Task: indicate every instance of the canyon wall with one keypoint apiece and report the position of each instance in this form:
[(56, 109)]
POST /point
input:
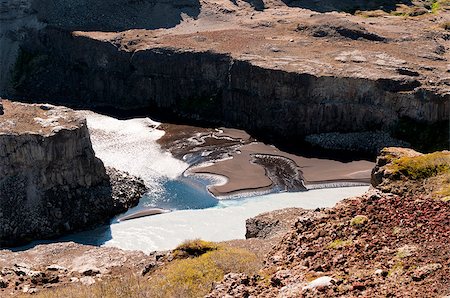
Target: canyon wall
[(214, 87), (50, 180), (20, 18)]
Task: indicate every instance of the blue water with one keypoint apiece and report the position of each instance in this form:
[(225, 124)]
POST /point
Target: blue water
[(184, 193)]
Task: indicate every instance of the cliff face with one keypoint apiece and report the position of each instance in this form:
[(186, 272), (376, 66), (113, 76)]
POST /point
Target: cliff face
[(203, 85), (19, 18), (50, 180)]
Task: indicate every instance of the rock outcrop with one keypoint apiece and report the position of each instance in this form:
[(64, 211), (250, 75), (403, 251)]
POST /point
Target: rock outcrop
[(50, 180), (379, 244)]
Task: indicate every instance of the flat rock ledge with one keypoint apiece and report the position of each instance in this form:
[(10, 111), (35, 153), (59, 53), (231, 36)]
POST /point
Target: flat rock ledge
[(51, 183)]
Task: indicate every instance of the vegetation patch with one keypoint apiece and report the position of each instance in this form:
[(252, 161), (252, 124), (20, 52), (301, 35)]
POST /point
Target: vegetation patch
[(423, 166), (446, 25), (192, 277), (195, 277), (339, 244), (194, 248), (443, 191), (359, 221)]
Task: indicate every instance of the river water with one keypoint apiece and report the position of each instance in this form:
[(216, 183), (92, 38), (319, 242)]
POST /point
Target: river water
[(131, 145)]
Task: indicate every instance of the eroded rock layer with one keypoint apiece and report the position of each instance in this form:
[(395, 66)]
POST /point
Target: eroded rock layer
[(50, 180)]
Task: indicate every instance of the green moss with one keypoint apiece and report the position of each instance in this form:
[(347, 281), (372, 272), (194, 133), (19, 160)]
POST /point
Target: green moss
[(435, 6), (339, 243), (421, 167), (397, 268), (443, 192), (359, 221)]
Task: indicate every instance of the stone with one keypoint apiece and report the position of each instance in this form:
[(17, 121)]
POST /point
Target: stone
[(87, 280), (89, 271), (424, 271), (324, 281), (21, 269), (42, 169), (3, 283), (56, 267)]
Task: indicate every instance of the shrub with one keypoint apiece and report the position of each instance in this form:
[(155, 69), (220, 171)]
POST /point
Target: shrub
[(194, 248), (192, 277)]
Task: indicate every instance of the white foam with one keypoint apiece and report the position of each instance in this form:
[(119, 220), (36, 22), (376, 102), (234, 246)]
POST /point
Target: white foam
[(224, 222), (130, 145)]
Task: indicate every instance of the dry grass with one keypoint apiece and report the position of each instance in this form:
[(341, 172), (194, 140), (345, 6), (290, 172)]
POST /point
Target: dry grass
[(191, 277), (339, 244), (128, 285), (446, 25), (194, 248), (196, 277)]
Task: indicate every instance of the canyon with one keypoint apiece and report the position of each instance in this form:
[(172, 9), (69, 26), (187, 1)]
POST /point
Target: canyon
[(275, 72), (255, 105)]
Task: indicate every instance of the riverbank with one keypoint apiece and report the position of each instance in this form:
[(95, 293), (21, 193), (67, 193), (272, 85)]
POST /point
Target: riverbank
[(255, 167)]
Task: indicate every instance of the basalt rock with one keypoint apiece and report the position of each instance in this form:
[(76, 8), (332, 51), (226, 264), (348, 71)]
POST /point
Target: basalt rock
[(51, 183), (215, 87)]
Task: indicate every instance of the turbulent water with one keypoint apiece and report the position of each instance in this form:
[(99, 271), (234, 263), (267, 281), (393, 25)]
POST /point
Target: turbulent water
[(130, 145)]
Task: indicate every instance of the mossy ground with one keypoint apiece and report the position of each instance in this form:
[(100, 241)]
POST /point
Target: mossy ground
[(422, 167)]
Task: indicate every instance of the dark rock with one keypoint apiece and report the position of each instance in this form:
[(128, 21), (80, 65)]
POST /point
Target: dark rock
[(149, 267), (43, 171), (339, 28), (3, 283), (358, 286)]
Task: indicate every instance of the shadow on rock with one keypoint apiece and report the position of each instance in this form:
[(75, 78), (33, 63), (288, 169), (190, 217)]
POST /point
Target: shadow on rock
[(115, 15), (346, 6)]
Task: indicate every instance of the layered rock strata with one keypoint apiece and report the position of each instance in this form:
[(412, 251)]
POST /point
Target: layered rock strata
[(51, 183), (218, 88)]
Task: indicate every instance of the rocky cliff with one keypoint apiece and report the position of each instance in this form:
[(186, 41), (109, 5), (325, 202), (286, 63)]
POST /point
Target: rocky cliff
[(392, 241), (50, 180), (271, 69), (218, 88), (19, 18)]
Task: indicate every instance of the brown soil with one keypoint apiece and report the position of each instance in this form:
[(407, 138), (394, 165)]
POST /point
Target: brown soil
[(38, 119)]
